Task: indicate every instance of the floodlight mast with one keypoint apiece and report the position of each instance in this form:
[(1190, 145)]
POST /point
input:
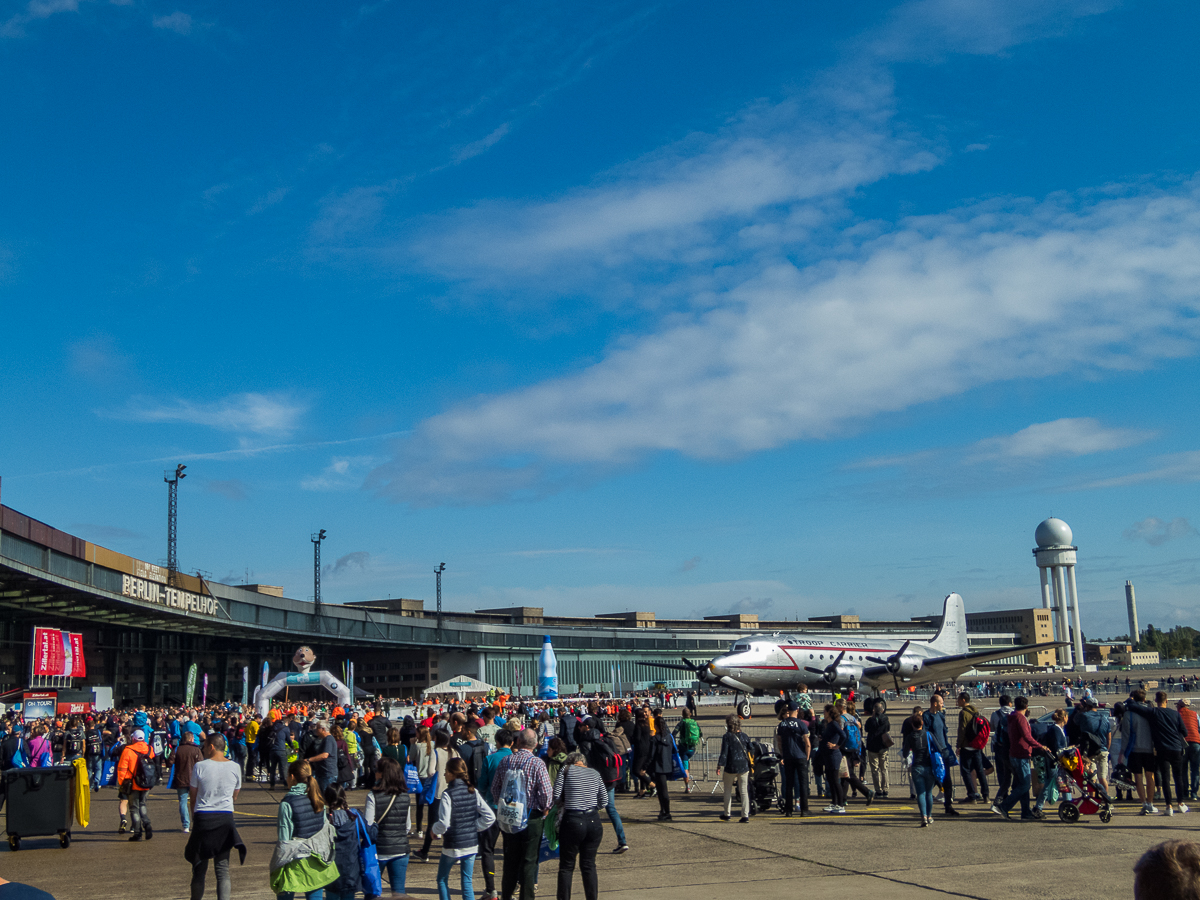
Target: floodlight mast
[(438, 572), (316, 542), (172, 521)]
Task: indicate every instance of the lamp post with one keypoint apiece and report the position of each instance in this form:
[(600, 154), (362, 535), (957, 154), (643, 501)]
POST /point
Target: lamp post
[(438, 572), (316, 542), (172, 520)]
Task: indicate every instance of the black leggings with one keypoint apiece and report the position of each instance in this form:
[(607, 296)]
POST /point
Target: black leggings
[(853, 780), (833, 762), (221, 866), (664, 799)]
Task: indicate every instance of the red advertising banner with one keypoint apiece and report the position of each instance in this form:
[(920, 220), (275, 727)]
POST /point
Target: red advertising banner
[(73, 707), (58, 653)]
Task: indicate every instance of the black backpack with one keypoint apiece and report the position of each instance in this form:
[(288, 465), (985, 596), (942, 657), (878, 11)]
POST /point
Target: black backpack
[(145, 772), (567, 731), (475, 753)]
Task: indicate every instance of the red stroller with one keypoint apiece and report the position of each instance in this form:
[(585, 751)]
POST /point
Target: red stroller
[(1084, 795)]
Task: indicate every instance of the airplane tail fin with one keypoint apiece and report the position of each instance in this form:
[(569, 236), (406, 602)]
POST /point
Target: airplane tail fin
[(951, 638)]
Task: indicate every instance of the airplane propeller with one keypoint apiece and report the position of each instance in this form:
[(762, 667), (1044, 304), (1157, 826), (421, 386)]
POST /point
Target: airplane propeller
[(830, 671), (696, 670), (893, 663)]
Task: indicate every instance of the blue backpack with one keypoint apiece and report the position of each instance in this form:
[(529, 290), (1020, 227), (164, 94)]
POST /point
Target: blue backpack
[(853, 735)]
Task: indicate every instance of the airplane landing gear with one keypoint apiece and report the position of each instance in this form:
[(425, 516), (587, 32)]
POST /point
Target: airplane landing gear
[(741, 705)]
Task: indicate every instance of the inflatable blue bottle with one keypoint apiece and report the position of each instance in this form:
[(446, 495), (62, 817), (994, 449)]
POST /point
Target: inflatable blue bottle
[(548, 672)]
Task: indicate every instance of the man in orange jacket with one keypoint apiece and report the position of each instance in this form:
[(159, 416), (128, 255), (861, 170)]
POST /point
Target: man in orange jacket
[(129, 789)]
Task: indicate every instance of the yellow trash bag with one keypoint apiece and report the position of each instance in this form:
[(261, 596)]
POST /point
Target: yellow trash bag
[(81, 796)]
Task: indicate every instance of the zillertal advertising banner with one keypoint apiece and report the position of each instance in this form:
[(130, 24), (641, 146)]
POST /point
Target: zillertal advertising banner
[(193, 669), (245, 685), (58, 653)]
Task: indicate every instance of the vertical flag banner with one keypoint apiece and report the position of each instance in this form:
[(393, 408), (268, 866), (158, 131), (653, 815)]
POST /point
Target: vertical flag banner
[(204, 691), (266, 673), (190, 692), (350, 681), (245, 685), (58, 653)]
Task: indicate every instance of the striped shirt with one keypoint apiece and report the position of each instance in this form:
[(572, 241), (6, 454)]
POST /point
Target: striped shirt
[(580, 788)]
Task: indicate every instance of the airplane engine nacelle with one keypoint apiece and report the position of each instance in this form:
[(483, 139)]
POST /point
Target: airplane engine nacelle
[(843, 676), (909, 665)]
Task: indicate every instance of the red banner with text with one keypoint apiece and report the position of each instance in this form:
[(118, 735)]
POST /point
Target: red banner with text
[(58, 653)]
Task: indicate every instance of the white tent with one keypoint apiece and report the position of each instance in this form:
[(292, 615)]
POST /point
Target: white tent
[(460, 685)]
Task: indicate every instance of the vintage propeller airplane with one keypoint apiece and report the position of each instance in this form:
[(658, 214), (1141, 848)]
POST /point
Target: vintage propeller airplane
[(769, 663)]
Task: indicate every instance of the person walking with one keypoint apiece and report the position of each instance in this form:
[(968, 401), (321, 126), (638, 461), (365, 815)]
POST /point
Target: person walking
[(602, 754), (1170, 744), (426, 763), (852, 751), (487, 839), (461, 815), (970, 759), (661, 764), (734, 760), (581, 792), (323, 755), (347, 824), (794, 747), (833, 739), (687, 736), (919, 756), (442, 754), (277, 762), (1055, 740), (303, 861), (999, 726), (521, 847), (1021, 747), (133, 787), (186, 758), (935, 724), (640, 741), (387, 807), (878, 742), (213, 785)]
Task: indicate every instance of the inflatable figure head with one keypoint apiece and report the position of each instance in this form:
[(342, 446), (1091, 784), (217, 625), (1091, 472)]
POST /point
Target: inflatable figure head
[(303, 659)]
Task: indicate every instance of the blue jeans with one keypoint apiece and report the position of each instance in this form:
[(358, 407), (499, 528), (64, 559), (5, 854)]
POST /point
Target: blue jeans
[(467, 868), (397, 870), (95, 767), (1049, 773), (613, 815), (923, 782), (185, 815), (1022, 776), (318, 894)]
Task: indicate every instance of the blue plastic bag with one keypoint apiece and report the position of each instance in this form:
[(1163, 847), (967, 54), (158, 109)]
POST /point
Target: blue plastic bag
[(939, 764), (411, 779), (372, 878), (545, 854), (677, 768)]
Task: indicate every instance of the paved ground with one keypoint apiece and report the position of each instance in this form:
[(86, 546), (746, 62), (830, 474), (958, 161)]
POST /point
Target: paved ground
[(876, 852)]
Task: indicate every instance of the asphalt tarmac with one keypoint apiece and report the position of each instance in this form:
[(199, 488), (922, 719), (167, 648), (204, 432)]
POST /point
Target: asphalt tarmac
[(875, 852)]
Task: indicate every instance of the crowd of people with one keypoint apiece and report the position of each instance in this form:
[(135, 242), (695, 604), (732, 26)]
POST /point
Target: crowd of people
[(511, 783)]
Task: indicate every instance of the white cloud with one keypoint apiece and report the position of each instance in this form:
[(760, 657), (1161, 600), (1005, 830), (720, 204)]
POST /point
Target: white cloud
[(1157, 532), (1180, 468), (244, 413), (14, 26), (179, 22), (937, 307), (344, 473), (1060, 438)]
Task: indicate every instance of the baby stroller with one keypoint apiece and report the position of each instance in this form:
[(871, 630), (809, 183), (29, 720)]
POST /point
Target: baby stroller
[(1081, 788), (763, 773)]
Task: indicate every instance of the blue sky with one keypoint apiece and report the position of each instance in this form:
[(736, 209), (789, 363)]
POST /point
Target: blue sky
[(787, 309)]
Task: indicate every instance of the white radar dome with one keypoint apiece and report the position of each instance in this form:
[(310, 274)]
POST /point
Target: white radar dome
[(1053, 533)]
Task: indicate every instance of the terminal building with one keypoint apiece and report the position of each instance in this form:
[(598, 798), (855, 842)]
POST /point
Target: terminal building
[(143, 628)]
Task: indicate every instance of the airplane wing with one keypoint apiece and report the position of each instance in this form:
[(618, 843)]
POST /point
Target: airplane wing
[(947, 668)]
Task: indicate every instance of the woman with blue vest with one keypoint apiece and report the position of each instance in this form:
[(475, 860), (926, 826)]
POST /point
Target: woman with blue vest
[(462, 814)]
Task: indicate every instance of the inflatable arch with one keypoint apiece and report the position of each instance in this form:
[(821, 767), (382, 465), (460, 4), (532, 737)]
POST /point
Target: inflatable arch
[(263, 694)]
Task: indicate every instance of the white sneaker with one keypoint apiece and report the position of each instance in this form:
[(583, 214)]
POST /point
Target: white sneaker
[(1169, 811), (839, 810), (830, 808), (1182, 808), (1151, 809)]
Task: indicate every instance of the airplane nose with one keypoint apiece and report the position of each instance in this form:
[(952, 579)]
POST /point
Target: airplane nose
[(718, 671)]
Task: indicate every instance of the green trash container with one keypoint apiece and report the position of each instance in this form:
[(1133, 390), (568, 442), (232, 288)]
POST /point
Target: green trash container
[(39, 803)]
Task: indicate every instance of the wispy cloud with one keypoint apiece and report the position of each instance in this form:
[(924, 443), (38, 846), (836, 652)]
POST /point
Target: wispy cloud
[(97, 357), (343, 473), (563, 551), (483, 144), (106, 532), (14, 26), (178, 22), (1157, 532), (250, 413), (1179, 468), (688, 564), (938, 306), (358, 559), (268, 200), (1060, 438)]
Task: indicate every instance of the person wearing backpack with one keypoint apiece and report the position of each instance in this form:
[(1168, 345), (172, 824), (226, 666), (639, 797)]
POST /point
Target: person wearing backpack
[(94, 753), (136, 775), (345, 848), (970, 726), (999, 725), (473, 751), (878, 740), (687, 738), (603, 755), (852, 751), (487, 839), (387, 808), (921, 757), (935, 725), (522, 773)]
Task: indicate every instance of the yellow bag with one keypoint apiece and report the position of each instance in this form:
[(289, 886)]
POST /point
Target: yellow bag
[(81, 796)]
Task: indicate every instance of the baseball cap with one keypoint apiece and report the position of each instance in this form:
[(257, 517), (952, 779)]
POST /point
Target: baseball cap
[(792, 706), (139, 735)]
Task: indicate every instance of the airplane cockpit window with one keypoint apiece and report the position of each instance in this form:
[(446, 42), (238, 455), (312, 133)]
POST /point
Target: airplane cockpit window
[(740, 647)]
